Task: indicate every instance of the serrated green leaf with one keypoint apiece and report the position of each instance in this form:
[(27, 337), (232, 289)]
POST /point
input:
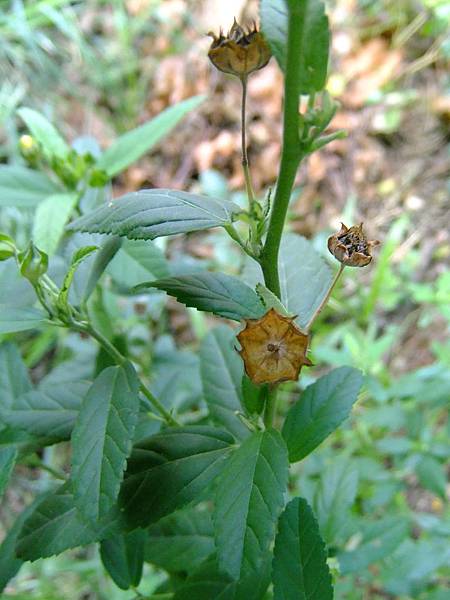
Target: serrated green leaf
[(130, 146), (300, 570), (378, 540), (312, 22), (221, 372), (148, 214), (208, 582), (123, 557), (304, 283), (20, 319), (171, 469), (48, 411), (8, 457), (138, 261), (321, 408), (14, 378), (180, 542), (221, 294), (432, 475), (55, 525), (44, 132), (50, 220), (102, 440), (249, 499), (24, 187)]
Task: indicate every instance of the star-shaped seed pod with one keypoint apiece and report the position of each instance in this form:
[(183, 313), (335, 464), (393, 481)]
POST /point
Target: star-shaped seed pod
[(350, 246), (273, 348), (240, 52)]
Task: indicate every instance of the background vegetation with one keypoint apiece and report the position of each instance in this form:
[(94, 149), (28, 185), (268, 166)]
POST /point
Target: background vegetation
[(98, 69)]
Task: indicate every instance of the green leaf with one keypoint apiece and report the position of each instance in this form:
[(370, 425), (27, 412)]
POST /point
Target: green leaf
[(149, 214), (334, 496), (123, 558), (171, 469), (138, 261), (48, 411), (249, 499), (270, 300), (208, 582), (300, 570), (378, 540), (55, 525), (24, 188), (14, 378), (304, 284), (8, 457), (432, 476), (315, 38), (320, 410), (104, 256), (221, 371), (44, 132), (50, 220), (20, 319), (102, 440), (132, 145), (180, 542), (221, 294), (78, 257)]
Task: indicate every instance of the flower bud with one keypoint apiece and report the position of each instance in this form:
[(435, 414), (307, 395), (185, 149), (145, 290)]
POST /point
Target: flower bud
[(350, 246), (29, 148), (33, 263), (240, 52), (273, 348)]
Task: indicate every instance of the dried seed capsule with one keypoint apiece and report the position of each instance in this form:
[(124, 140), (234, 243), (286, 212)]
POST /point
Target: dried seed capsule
[(350, 246), (240, 52), (273, 348)]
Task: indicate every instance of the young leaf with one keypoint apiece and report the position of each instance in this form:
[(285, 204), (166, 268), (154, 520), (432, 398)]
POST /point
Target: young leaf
[(48, 411), (169, 470), (312, 23), (102, 439), (148, 214), (221, 294), (45, 133), (104, 256), (24, 188), (300, 570), (132, 145), (303, 283), (20, 319), (138, 261), (14, 378), (221, 371), (270, 300), (8, 457), (180, 542), (78, 257), (123, 557), (249, 499), (56, 525), (321, 408), (50, 220)]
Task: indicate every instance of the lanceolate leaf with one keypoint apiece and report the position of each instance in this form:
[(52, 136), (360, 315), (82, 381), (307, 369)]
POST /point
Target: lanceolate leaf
[(300, 570), (180, 542), (102, 439), (321, 408), (304, 277), (138, 261), (24, 187), (315, 38), (221, 294), (221, 371), (51, 217), (249, 499), (171, 469), (8, 457), (44, 132), (56, 525), (149, 214), (20, 319), (123, 557), (133, 144)]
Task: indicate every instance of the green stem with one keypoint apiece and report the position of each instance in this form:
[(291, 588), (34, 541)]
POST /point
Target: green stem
[(121, 360), (245, 165), (34, 461), (291, 154), (326, 298), (271, 407)]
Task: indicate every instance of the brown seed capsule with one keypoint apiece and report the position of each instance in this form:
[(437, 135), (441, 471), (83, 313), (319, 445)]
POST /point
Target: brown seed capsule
[(273, 348), (350, 246), (240, 52)]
